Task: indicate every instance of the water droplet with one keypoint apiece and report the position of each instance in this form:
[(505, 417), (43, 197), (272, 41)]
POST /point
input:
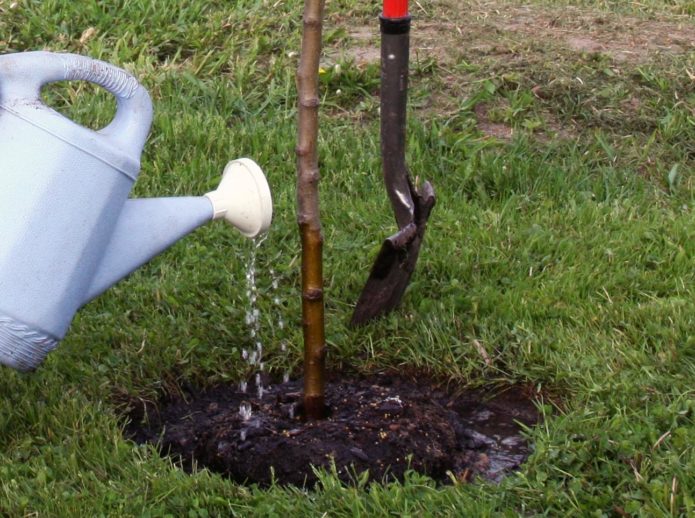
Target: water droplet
[(286, 377), (245, 411)]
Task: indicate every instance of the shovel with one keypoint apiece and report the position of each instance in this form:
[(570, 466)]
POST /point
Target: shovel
[(412, 205)]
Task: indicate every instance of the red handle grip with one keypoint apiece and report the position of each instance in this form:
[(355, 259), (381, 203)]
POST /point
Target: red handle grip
[(395, 8)]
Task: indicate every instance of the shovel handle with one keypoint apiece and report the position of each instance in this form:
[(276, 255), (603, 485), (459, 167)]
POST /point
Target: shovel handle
[(394, 9), (395, 49)]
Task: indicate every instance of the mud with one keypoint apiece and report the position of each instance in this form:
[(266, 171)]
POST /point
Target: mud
[(384, 425)]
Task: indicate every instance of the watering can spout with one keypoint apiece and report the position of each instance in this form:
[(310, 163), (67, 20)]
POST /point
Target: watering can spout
[(147, 227), (67, 228)]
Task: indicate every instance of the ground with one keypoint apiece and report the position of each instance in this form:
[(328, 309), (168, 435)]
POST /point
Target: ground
[(377, 428), (507, 36)]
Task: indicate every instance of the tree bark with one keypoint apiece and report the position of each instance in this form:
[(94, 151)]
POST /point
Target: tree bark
[(308, 216)]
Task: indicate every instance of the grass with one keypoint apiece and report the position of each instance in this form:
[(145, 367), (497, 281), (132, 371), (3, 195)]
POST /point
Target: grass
[(566, 251)]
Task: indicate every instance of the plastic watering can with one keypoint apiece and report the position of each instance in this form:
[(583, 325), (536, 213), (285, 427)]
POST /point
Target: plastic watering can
[(67, 228)]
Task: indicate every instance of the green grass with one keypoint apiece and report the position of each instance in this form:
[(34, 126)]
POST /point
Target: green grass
[(643, 7), (567, 252)]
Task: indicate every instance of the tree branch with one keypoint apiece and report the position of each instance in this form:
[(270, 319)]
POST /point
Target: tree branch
[(308, 216)]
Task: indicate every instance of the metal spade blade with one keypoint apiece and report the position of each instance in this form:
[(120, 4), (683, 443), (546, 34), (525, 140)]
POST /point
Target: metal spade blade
[(412, 205)]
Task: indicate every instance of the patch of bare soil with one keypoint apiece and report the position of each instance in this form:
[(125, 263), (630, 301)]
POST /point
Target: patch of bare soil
[(364, 45), (623, 38), (489, 128), (503, 34), (491, 27), (382, 424)]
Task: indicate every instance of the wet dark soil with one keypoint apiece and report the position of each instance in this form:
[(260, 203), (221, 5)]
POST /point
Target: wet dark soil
[(383, 424)]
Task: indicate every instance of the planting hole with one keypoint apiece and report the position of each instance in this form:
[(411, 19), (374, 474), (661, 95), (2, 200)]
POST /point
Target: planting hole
[(383, 424)]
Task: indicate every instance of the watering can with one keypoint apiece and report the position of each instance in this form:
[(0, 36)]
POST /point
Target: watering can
[(67, 228)]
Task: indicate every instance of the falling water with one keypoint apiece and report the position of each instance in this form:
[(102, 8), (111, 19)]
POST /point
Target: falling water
[(245, 411), (253, 320), (275, 283), (253, 356)]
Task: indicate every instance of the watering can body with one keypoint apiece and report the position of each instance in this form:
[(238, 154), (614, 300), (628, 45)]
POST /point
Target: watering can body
[(67, 228)]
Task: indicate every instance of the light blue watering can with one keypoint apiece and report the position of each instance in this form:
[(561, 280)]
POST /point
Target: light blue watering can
[(67, 229)]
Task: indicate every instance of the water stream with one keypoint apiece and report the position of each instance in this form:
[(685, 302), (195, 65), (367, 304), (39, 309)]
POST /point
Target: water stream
[(277, 305), (254, 356)]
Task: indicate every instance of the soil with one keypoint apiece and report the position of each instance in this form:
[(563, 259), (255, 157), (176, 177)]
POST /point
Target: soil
[(383, 424), (503, 36), (453, 28), (489, 128)]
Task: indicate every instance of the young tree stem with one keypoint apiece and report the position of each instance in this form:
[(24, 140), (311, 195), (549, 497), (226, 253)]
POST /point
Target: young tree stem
[(308, 216)]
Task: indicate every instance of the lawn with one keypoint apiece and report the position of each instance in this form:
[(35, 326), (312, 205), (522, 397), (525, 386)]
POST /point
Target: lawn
[(560, 137)]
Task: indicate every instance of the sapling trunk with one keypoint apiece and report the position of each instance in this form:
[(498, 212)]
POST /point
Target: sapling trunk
[(308, 216)]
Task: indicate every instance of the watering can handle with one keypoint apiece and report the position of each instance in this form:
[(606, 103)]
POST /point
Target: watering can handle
[(23, 74)]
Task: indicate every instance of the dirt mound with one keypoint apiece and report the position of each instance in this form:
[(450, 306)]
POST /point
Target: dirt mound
[(385, 425)]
